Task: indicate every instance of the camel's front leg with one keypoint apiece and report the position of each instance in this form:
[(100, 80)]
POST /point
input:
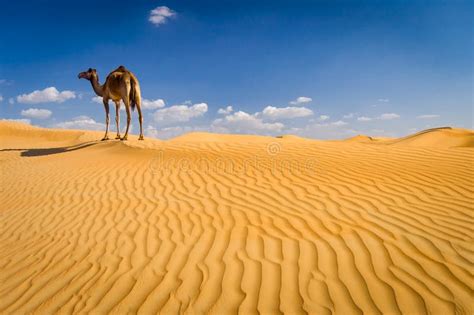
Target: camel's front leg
[(129, 114), (117, 118), (107, 119)]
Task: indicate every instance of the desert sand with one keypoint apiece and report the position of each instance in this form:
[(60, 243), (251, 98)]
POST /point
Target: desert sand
[(226, 224)]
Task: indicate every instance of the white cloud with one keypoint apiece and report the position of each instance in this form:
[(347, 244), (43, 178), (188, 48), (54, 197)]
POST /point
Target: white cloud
[(167, 132), (324, 117), (1, 98), (428, 116), (389, 116), (153, 104), (225, 111), (160, 15), (338, 123), (151, 131), (243, 122), (50, 94), (327, 130), (386, 116), (348, 116), (275, 113), (11, 101), (172, 131), (364, 118), (301, 100), (81, 122), (383, 100), (21, 120), (180, 113), (36, 113), (97, 99)]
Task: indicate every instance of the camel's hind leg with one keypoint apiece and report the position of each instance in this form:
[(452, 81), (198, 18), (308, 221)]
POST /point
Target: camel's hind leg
[(140, 119), (117, 118), (129, 114), (125, 91)]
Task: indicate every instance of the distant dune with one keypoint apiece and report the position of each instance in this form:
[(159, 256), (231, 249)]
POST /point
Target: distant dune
[(363, 138), (442, 137), (224, 224), (439, 137)]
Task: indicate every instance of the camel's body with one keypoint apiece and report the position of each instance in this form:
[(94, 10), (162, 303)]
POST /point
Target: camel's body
[(120, 84)]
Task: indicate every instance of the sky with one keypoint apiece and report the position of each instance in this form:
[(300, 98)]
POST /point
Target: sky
[(317, 69)]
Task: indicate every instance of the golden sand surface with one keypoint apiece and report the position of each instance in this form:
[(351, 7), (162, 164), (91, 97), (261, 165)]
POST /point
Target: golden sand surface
[(226, 224)]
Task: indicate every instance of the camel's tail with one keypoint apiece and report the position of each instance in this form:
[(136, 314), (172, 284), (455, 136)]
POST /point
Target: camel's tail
[(133, 94)]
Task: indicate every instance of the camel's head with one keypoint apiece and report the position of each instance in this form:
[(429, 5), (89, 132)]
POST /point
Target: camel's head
[(88, 75)]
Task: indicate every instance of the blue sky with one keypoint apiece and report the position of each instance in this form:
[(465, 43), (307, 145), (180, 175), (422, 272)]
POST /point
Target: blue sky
[(320, 69)]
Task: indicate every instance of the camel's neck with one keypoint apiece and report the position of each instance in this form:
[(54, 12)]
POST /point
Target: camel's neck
[(98, 89)]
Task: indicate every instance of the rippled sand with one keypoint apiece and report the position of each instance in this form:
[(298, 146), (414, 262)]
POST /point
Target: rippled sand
[(220, 224)]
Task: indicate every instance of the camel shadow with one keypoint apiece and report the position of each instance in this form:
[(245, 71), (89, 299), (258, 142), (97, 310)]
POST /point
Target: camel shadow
[(50, 151)]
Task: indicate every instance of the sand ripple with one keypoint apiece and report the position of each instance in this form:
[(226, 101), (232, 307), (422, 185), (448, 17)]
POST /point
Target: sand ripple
[(223, 226)]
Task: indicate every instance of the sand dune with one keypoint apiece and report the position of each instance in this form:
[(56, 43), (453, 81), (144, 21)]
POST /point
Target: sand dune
[(222, 224), (440, 137), (365, 139)]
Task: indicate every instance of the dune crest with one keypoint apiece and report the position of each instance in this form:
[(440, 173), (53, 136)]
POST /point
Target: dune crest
[(224, 224)]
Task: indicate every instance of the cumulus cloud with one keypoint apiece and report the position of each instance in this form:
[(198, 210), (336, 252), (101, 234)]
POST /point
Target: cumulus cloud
[(160, 15), (180, 113), (275, 113), (81, 122), (36, 113), (348, 116), (170, 132), (1, 98), (323, 117), (21, 120), (11, 101), (243, 122), (338, 123), (386, 116), (151, 131), (428, 116), (153, 104), (364, 118), (327, 130), (389, 116), (97, 99), (225, 111), (301, 100), (50, 94)]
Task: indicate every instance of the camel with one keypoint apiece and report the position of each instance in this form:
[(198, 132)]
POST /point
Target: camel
[(120, 84)]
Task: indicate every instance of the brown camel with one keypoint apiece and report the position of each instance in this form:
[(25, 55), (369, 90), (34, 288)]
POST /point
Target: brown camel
[(120, 84)]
